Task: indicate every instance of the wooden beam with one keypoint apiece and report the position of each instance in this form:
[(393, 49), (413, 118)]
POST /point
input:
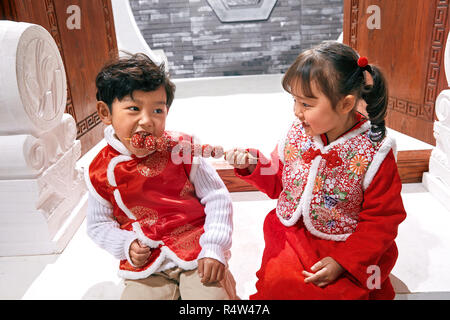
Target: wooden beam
[(411, 166)]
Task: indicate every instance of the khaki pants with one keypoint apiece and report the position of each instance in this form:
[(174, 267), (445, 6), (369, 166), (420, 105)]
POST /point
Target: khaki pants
[(176, 283)]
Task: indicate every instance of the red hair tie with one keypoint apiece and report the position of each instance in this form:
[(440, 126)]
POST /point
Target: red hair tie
[(363, 62)]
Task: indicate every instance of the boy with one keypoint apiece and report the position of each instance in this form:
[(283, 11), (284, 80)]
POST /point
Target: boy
[(169, 223)]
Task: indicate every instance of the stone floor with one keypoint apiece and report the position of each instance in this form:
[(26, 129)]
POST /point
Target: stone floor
[(84, 271)]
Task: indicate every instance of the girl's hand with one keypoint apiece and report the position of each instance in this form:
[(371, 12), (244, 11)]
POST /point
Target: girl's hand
[(325, 271), (241, 159), (139, 253)]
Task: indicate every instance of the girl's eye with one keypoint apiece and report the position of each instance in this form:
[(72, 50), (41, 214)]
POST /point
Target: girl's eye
[(306, 105)]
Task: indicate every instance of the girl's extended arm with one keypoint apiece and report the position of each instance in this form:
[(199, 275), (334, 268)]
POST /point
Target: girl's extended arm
[(266, 176)]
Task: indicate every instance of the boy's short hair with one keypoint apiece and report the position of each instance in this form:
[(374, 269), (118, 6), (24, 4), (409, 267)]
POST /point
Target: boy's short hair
[(122, 76)]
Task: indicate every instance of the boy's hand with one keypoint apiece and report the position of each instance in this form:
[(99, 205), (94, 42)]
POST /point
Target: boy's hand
[(241, 159), (139, 253), (326, 271), (210, 270)]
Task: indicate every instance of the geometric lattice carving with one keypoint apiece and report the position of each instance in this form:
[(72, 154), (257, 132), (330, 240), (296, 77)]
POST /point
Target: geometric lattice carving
[(242, 10)]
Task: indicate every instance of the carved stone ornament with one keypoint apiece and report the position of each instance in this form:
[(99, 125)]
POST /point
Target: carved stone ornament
[(33, 89), (437, 180), (42, 191), (242, 10)]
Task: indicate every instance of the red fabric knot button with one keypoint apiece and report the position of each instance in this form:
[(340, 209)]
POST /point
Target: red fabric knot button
[(310, 154), (363, 62), (332, 158)]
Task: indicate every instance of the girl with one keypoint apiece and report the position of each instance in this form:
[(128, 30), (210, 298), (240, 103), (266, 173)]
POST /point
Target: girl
[(332, 233)]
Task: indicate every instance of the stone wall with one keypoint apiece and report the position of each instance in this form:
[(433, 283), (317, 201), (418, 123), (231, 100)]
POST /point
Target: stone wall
[(198, 44)]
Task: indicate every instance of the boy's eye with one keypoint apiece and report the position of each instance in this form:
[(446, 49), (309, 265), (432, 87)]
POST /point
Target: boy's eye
[(133, 108), (158, 110)]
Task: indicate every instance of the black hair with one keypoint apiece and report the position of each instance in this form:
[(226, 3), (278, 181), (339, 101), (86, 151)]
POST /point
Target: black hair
[(334, 68), (122, 76)]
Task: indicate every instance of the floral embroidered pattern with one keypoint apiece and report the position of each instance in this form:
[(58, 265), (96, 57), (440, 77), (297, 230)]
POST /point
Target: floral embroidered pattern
[(358, 164), (290, 152), (154, 164), (318, 183), (145, 216), (187, 189), (336, 190), (186, 237)]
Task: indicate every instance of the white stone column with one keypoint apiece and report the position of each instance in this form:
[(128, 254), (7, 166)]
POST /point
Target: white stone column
[(437, 180), (42, 193), (128, 35)]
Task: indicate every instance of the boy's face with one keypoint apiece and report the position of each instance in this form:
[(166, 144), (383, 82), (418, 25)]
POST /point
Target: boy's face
[(146, 111)]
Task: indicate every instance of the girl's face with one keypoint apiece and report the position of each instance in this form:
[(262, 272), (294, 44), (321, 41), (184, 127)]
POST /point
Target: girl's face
[(144, 112), (317, 114)]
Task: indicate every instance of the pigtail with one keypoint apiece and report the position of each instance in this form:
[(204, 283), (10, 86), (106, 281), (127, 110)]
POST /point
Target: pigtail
[(376, 97)]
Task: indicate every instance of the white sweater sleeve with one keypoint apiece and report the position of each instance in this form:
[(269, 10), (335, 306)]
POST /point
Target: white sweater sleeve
[(213, 194), (104, 230)]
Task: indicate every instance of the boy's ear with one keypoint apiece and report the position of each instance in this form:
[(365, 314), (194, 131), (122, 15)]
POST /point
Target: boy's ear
[(347, 104), (104, 113)]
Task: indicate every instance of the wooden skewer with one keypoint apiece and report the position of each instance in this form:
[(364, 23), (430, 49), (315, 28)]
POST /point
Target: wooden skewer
[(197, 148)]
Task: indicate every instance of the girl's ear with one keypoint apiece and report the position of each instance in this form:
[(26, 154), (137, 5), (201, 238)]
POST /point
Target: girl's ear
[(104, 113), (347, 104)]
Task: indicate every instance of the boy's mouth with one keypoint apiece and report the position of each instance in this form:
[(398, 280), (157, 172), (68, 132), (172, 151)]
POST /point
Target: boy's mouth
[(137, 139)]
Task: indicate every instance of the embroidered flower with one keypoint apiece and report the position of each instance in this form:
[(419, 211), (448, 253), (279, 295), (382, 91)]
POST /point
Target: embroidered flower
[(146, 216), (331, 223), (188, 188), (186, 237), (153, 164), (290, 152), (329, 201), (318, 184), (358, 164)]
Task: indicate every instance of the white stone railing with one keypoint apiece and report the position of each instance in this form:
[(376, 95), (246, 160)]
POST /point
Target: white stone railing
[(437, 180), (40, 186)]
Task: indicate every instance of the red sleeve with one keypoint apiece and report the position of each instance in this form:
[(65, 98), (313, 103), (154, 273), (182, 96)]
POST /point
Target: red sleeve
[(382, 212), (267, 174)]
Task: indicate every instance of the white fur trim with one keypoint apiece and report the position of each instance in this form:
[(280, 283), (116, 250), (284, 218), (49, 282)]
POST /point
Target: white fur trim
[(165, 253), (319, 144), (388, 144), (110, 137), (146, 240), (112, 164), (186, 265), (305, 201), (122, 205), (112, 181), (92, 190), (133, 275)]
